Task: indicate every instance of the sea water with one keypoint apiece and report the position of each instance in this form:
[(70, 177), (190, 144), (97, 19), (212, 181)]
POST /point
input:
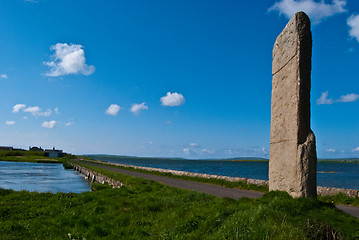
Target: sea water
[(41, 177), (330, 174)]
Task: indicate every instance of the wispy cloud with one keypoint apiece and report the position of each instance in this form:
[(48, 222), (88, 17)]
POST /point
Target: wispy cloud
[(353, 23), (49, 124), (348, 98), (69, 124), (37, 111), (194, 145), (352, 97), (317, 10), (324, 99), (18, 107), (195, 149), (9, 122), (356, 149), (113, 109), (68, 59), (3, 76), (331, 150), (172, 99), (137, 108)]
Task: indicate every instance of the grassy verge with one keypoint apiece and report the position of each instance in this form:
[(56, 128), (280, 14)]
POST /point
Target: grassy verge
[(340, 198), (336, 199), (146, 210)]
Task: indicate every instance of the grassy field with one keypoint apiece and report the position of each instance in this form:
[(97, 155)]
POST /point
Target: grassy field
[(144, 209), (148, 210)]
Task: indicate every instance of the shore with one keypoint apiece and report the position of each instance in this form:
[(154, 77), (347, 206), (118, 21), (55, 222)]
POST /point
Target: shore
[(322, 191)]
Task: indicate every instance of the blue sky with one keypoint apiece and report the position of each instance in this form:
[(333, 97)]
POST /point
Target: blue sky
[(168, 78)]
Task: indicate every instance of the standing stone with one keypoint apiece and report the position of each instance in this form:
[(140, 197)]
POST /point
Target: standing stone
[(293, 157)]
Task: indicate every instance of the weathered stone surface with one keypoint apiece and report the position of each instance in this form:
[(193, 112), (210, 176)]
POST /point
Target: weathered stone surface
[(293, 159)]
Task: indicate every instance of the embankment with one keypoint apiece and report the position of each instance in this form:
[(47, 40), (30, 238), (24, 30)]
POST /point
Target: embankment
[(95, 177)]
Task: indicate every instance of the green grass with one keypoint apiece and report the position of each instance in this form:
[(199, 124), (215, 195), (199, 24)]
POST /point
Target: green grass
[(144, 209), (340, 198), (147, 210)]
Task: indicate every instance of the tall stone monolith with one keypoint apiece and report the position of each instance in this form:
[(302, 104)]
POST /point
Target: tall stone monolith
[(293, 158)]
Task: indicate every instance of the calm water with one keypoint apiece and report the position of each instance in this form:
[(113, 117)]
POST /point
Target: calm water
[(41, 177), (330, 174)]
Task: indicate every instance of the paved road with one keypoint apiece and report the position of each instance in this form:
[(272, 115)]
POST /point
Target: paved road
[(354, 211), (211, 189)]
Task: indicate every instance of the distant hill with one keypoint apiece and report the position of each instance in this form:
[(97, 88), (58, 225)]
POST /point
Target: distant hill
[(215, 159), (338, 159), (178, 158)]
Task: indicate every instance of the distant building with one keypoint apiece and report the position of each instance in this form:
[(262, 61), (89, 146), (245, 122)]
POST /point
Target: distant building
[(6, 148), (53, 153), (37, 149)]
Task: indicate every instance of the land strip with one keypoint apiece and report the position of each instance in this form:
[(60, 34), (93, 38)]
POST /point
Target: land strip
[(246, 183), (211, 189)]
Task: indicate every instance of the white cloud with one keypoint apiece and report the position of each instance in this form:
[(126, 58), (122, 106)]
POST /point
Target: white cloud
[(18, 107), (3, 76), (113, 109), (195, 149), (10, 122), (186, 150), (330, 150), (356, 149), (37, 111), (69, 124), (352, 97), (324, 99), (49, 124), (57, 110), (349, 98), (316, 10), (205, 150), (353, 23), (68, 59), (137, 108), (172, 99), (195, 145)]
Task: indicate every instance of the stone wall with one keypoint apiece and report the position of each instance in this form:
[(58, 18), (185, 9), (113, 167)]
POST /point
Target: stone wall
[(96, 177), (320, 190)]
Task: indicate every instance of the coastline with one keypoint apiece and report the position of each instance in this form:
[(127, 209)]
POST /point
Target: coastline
[(322, 191)]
